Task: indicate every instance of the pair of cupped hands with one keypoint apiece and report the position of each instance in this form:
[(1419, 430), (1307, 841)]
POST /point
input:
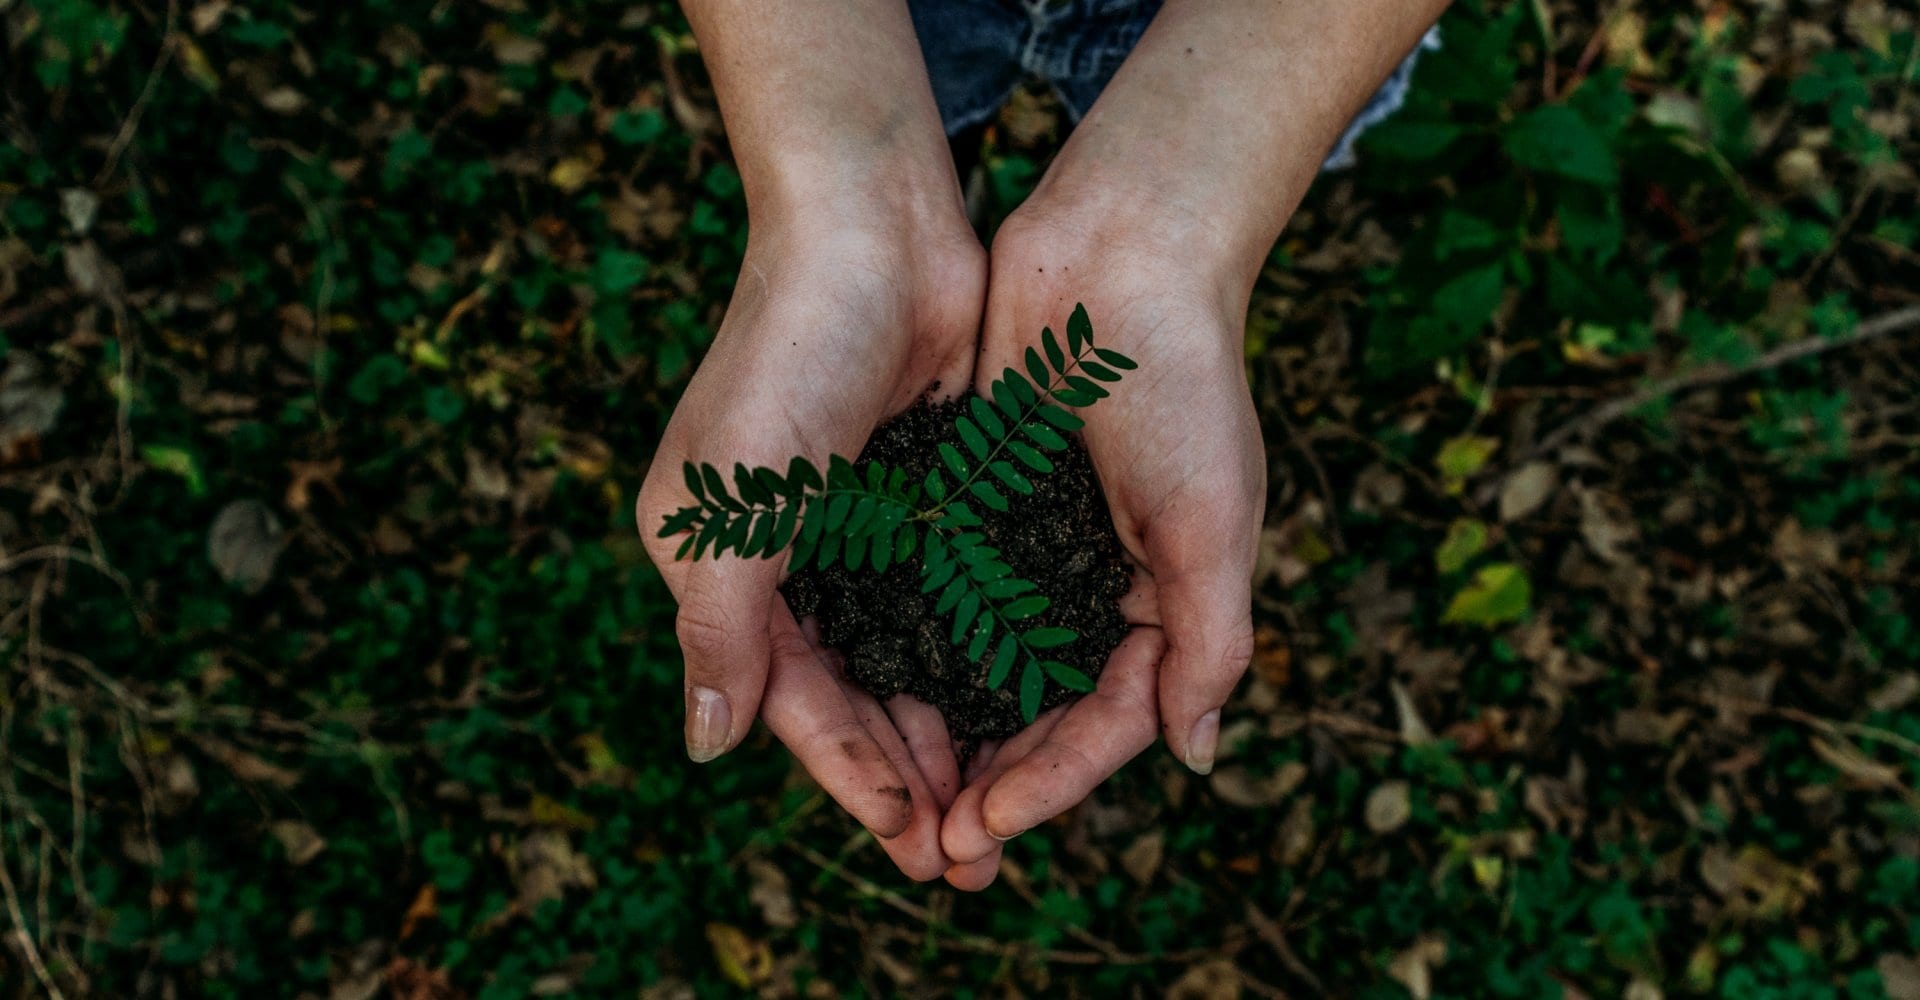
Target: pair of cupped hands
[(844, 315)]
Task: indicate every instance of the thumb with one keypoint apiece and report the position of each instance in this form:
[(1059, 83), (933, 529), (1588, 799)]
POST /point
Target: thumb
[(722, 626), (1207, 614)]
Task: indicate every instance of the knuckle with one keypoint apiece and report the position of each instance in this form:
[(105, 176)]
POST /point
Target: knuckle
[(704, 632)]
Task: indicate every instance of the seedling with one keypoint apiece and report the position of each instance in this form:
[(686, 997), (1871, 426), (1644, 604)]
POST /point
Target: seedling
[(871, 516)]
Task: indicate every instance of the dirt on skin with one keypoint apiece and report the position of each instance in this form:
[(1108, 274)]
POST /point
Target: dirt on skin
[(1060, 537)]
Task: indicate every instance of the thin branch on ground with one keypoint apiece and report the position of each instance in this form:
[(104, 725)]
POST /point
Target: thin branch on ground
[(963, 941), (130, 126), (1896, 322)]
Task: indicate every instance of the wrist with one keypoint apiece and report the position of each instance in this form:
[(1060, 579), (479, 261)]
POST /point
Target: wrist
[(1118, 226)]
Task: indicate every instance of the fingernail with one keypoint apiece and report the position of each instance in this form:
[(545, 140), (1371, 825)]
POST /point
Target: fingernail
[(709, 723), (1202, 742), (1004, 839)]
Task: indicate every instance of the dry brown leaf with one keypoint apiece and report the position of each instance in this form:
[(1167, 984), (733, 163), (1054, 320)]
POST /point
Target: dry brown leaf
[(302, 842), (772, 894), (746, 962), (1859, 769), (1239, 786), (1899, 976), (544, 866), (244, 543), (1413, 967), (1413, 729), (1215, 980), (425, 906), (1142, 858), (1389, 806), (1526, 489)]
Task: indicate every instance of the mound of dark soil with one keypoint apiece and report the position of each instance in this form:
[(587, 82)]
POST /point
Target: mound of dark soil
[(1060, 537)]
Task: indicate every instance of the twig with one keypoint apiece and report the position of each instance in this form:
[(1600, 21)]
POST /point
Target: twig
[(1895, 322), (1304, 446), (131, 124), (963, 941), (1269, 931), (27, 946)]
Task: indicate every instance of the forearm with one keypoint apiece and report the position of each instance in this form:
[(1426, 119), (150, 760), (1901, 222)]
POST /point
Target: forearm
[(826, 101), (1216, 125)]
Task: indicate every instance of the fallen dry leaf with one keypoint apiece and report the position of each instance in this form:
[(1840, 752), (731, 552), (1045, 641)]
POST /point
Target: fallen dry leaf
[(244, 543), (1389, 806)]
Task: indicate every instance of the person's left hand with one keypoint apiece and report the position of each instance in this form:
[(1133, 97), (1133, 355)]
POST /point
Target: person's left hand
[(1178, 452)]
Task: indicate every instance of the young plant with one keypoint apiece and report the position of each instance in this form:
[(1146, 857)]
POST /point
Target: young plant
[(871, 516)]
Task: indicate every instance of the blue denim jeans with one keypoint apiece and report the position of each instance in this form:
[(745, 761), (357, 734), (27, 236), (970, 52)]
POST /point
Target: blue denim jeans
[(978, 51)]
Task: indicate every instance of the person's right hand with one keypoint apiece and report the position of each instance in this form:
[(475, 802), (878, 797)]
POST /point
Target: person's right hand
[(844, 315)]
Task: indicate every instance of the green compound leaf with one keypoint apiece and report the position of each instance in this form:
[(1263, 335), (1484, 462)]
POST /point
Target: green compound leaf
[(950, 596), (951, 455), (1061, 419), (983, 415), (1032, 685), (1079, 330), (1003, 660), (963, 614), (1055, 356), (1086, 386), (717, 489), (1004, 398), (762, 533), (1035, 367), (1029, 457), (1116, 359), (751, 489), (1011, 477), (1006, 586), (1100, 371), (802, 476), (1023, 390), (837, 509), (1044, 436), (770, 481), (1025, 607), (962, 516), (680, 520), (854, 551), (1067, 677), (1048, 638), (977, 646), (694, 486), (970, 435), (987, 494), (936, 486), (783, 528)]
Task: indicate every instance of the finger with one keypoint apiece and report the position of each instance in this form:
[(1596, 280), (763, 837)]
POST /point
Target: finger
[(1096, 737), (915, 850), (1208, 616), (722, 626), (964, 834), (983, 756), (810, 713), (1141, 603), (977, 875), (925, 732)]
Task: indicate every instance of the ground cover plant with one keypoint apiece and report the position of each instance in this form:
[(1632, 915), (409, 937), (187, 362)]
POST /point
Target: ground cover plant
[(333, 344), (909, 503)]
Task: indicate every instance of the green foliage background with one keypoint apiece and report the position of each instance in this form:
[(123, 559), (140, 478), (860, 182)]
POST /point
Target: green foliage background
[(335, 339)]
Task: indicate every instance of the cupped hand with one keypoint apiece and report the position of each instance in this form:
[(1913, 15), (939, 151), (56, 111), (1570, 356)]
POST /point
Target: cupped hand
[(1178, 452), (833, 328)]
